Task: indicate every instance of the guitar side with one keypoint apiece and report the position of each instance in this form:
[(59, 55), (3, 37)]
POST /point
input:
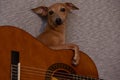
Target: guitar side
[(36, 58)]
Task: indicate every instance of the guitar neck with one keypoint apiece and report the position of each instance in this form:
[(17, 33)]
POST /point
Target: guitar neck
[(77, 77), (15, 66)]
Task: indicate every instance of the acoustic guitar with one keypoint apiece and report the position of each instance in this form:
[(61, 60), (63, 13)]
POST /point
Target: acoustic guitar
[(22, 57)]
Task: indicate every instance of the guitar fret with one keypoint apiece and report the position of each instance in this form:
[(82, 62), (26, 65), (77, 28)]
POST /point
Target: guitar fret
[(14, 75), (14, 72), (14, 78)]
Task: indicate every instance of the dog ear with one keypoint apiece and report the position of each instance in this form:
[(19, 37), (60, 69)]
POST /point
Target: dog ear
[(71, 6), (42, 10)]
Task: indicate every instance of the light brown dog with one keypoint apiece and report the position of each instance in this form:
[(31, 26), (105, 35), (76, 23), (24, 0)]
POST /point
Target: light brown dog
[(54, 34)]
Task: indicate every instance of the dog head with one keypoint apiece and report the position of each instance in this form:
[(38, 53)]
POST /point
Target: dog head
[(56, 13)]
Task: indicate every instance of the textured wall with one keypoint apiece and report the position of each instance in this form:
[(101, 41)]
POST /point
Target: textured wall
[(95, 28)]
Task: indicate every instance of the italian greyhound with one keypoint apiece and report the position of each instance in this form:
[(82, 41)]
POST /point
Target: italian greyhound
[(54, 34)]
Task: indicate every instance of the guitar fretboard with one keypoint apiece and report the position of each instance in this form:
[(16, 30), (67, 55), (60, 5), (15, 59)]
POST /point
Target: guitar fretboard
[(77, 77), (15, 65)]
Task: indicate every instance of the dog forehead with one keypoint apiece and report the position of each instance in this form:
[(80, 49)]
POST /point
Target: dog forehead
[(57, 6)]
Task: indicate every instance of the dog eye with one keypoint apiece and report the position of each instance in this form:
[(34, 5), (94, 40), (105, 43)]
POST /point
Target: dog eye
[(62, 9), (51, 12)]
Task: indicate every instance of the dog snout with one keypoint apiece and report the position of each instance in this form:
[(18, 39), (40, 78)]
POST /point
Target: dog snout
[(58, 21)]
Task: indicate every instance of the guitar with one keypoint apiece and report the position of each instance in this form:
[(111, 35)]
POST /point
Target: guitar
[(22, 57)]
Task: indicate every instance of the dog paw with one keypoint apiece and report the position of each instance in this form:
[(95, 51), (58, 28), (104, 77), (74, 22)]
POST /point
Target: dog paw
[(76, 59)]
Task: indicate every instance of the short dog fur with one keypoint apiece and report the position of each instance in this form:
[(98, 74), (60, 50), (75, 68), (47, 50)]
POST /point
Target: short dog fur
[(54, 34)]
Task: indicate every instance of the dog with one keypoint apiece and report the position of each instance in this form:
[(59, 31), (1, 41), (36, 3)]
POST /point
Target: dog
[(54, 34)]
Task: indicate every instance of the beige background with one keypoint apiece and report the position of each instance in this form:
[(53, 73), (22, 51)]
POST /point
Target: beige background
[(95, 28)]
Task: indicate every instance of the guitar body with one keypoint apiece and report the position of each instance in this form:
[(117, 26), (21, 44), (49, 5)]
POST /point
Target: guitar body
[(37, 62)]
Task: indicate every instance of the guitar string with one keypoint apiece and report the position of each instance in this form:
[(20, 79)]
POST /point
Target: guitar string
[(27, 77), (42, 74), (36, 71), (60, 73), (60, 77), (56, 75), (47, 75), (37, 76)]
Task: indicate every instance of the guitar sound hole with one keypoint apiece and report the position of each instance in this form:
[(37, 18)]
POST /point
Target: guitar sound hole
[(62, 75), (59, 71)]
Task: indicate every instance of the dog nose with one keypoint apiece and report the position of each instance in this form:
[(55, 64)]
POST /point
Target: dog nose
[(58, 21)]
